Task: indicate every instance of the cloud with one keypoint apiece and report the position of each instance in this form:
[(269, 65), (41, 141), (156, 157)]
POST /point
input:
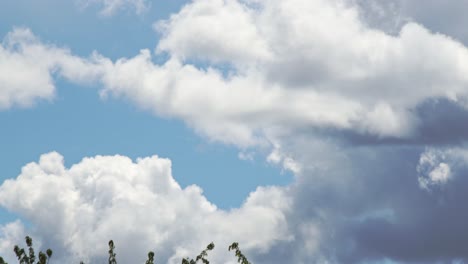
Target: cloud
[(436, 165), (301, 79), (432, 169), (226, 32), (28, 68), (277, 156), (368, 208), (275, 53), (388, 16), (137, 204), (453, 21), (23, 78), (294, 52), (110, 7), (10, 234)]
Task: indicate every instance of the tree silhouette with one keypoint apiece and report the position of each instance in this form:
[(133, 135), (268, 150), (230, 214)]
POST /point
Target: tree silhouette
[(202, 256), (29, 257), (240, 257)]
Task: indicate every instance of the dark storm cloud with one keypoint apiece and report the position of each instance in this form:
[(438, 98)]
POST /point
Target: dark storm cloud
[(425, 227), (442, 121), (370, 208)]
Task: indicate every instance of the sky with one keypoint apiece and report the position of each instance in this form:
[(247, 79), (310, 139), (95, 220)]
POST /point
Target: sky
[(309, 131)]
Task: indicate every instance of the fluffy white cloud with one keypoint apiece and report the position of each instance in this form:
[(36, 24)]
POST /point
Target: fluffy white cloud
[(10, 234), (291, 66), (24, 76), (338, 72), (236, 110), (137, 204), (305, 46), (225, 32), (28, 67)]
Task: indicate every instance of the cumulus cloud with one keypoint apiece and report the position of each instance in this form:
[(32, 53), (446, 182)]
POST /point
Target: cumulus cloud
[(225, 30), (137, 204), (28, 67), (293, 51), (299, 77), (362, 210), (277, 52), (10, 234), (23, 78)]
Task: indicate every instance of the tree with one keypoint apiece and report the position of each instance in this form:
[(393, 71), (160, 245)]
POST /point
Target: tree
[(240, 257), (202, 256), (112, 259), (29, 257)]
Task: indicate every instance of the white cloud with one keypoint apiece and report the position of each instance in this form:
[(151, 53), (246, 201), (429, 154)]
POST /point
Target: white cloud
[(441, 173), (28, 68), (236, 110), (24, 75), (225, 31), (110, 7), (278, 156), (10, 235), (137, 204), (384, 121), (437, 167), (294, 65)]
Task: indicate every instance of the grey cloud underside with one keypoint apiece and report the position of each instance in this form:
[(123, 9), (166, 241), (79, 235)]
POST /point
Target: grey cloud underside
[(370, 208), (423, 227), (446, 17)]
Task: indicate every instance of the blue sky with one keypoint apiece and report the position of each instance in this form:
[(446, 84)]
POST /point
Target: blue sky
[(310, 131), (77, 123)]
